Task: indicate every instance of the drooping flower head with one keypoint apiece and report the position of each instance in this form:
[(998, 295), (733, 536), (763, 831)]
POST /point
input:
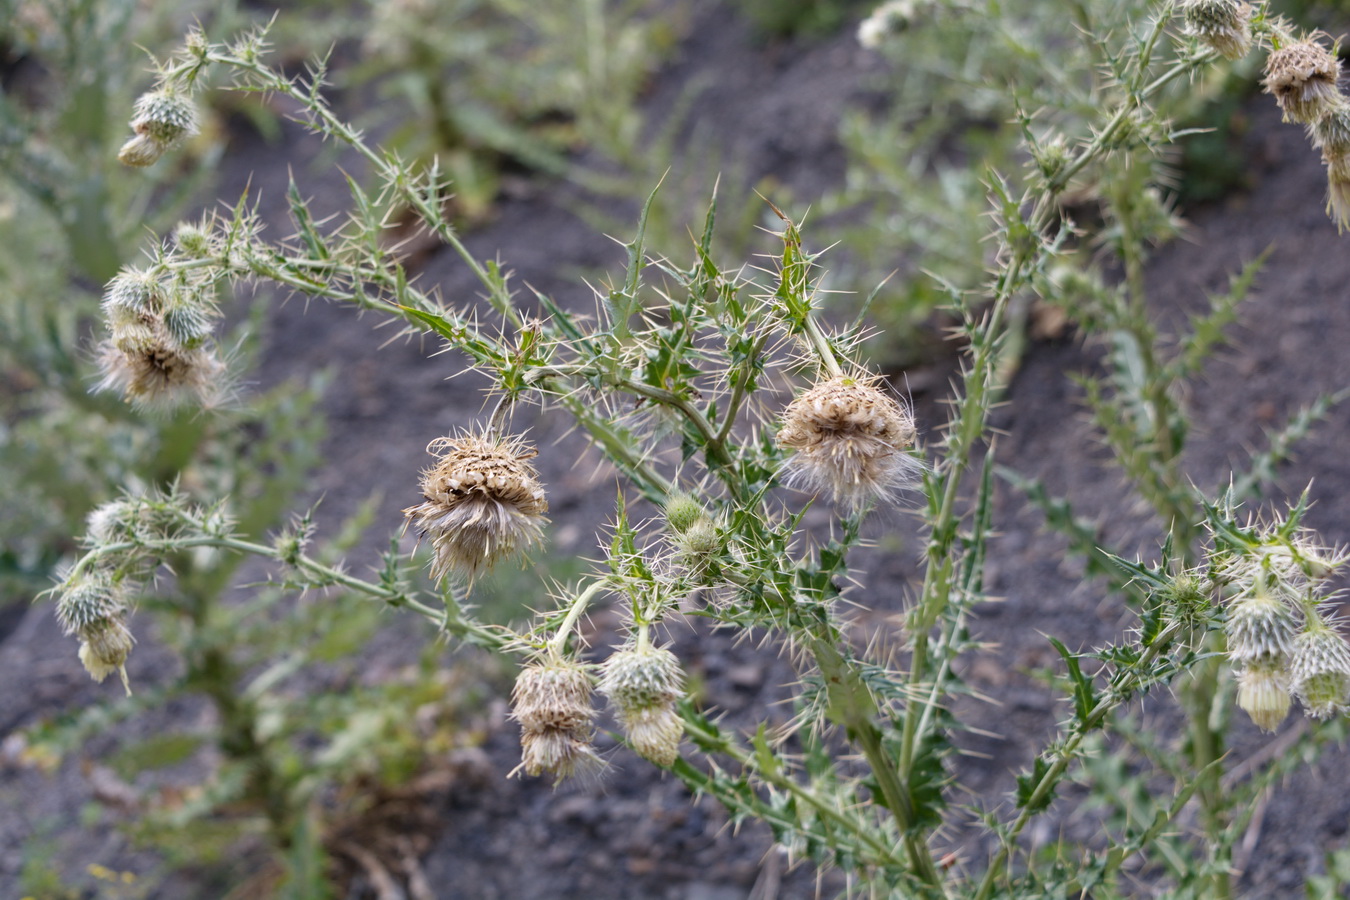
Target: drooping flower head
[(1224, 25), (1263, 693), (643, 683), (162, 119), (1302, 77), (1319, 670), (93, 607), (483, 503), (552, 702), (849, 440)]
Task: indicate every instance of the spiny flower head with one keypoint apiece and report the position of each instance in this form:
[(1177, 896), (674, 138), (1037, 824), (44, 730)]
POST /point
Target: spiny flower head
[(1319, 670), (1263, 693), (849, 440), (644, 683), (552, 702), (1224, 25), (682, 511), (165, 115), (93, 607), (1302, 77), (1260, 626), (483, 502), (104, 648)]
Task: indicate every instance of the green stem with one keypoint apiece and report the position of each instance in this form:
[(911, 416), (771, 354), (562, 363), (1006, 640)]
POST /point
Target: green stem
[(1129, 681)]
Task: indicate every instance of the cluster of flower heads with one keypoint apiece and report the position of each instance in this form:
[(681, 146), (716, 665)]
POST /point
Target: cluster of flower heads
[(162, 120), (1303, 75), (1281, 636), (849, 440), (159, 352), (95, 598)]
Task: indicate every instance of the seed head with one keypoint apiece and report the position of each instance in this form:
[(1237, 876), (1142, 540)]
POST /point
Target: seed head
[(552, 703), (150, 371), (1302, 77), (165, 116), (1260, 627), (1263, 693), (1319, 670), (1224, 25), (644, 683), (483, 503), (849, 440)]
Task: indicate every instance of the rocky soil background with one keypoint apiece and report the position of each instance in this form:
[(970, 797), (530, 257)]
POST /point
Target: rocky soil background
[(774, 106)]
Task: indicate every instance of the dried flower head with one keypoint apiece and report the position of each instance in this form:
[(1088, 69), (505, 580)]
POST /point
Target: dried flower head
[(1303, 77), (1319, 670), (104, 648), (552, 703), (1263, 693), (152, 373), (1224, 25), (644, 683), (483, 503), (849, 440)]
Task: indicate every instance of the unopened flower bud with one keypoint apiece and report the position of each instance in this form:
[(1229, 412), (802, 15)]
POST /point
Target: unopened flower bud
[(1263, 693), (1224, 25), (682, 511), (1302, 77), (1319, 670), (133, 291), (702, 540), (644, 683), (849, 440), (193, 240), (483, 502)]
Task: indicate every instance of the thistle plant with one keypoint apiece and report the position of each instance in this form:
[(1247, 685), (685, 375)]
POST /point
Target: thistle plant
[(732, 410)]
